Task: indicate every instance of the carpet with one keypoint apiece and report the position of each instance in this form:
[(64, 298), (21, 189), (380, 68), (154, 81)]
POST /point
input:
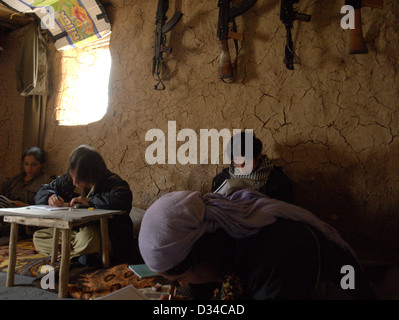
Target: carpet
[(104, 281), (28, 262), (84, 283)]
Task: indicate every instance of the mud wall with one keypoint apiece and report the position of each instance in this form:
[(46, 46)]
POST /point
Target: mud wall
[(332, 122)]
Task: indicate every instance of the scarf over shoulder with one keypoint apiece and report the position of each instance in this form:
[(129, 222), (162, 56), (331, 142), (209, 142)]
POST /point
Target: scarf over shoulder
[(172, 225)]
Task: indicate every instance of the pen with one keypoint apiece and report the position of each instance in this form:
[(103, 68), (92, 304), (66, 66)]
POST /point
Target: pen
[(56, 194), (172, 290)]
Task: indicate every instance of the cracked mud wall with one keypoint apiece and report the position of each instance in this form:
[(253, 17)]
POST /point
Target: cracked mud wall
[(333, 122)]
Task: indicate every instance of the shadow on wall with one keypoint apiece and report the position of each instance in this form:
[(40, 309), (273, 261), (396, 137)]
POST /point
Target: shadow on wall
[(356, 198)]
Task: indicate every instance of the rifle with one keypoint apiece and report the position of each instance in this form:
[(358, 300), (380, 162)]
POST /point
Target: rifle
[(356, 41), (287, 15), (227, 15), (162, 27)]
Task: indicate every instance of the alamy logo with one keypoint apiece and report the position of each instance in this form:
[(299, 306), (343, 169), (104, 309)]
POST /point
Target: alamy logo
[(194, 147), (48, 280), (47, 21), (348, 280), (348, 20)]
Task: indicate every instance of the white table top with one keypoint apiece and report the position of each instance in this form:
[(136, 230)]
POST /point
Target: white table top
[(73, 215)]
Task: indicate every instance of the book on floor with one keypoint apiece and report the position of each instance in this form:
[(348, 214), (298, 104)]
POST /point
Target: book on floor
[(126, 293), (142, 271)]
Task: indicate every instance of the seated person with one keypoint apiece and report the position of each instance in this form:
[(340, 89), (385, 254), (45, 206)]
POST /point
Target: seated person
[(250, 246), (268, 178), (22, 188), (88, 182)]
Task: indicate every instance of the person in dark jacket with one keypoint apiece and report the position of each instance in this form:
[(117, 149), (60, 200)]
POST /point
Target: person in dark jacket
[(250, 247), (89, 183), (267, 177)]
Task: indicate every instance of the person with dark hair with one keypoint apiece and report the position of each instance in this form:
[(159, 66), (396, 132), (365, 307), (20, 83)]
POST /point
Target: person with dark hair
[(267, 178), (250, 247), (89, 183), (22, 188)]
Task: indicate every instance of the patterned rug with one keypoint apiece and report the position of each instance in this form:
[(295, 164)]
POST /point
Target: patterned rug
[(84, 283), (104, 281), (28, 262)]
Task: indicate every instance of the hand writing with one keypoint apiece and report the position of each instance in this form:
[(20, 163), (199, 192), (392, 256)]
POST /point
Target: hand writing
[(56, 202)]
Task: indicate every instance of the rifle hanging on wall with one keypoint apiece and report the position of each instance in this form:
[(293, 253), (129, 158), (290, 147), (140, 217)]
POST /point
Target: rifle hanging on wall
[(227, 15), (162, 27), (356, 41), (287, 16)]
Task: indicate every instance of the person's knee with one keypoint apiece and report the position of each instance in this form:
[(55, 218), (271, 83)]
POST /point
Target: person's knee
[(42, 240), (87, 240)]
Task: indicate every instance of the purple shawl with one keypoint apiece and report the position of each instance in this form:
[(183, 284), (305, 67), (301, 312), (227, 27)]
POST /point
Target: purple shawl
[(178, 219)]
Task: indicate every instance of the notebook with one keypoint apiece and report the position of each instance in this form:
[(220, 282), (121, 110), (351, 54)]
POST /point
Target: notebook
[(49, 208), (5, 202), (231, 185), (142, 271), (126, 293)]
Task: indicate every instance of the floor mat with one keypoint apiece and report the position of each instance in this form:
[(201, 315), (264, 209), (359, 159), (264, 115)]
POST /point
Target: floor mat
[(28, 262), (84, 283), (104, 281)]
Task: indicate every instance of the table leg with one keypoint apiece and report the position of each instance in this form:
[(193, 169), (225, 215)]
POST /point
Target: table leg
[(12, 254), (65, 263), (104, 242), (56, 238)]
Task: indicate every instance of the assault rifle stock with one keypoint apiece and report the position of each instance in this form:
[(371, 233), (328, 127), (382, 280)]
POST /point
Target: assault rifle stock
[(356, 41), (162, 27), (287, 16), (227, 15)]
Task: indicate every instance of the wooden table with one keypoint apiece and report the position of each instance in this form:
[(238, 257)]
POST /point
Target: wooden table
[(64, 221)]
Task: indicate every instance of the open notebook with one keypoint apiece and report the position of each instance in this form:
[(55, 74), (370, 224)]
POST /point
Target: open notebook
[(49, 208), (231, 185), (6, 203), (126, 293)]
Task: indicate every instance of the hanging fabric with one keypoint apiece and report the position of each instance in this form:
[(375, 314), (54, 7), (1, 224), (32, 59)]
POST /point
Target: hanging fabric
[(33, 70), (33, 76)]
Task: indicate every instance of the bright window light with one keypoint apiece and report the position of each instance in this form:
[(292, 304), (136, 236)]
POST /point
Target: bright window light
[(83, 98)]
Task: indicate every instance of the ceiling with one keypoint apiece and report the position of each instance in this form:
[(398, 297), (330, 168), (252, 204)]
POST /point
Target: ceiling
[(11, 20)]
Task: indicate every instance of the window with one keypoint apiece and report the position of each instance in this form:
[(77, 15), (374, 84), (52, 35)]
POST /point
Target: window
[(83, 97)]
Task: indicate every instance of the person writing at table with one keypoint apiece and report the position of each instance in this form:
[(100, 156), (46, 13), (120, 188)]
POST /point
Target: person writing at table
[(88, 182)]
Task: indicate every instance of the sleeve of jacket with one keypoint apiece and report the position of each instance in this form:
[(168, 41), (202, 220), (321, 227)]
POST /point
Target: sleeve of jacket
[(113, 193), (45, 191), (279, 186), (63, 186)]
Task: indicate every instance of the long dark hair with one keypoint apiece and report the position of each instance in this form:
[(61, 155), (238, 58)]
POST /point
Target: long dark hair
[(36, 152), (88, 164)]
